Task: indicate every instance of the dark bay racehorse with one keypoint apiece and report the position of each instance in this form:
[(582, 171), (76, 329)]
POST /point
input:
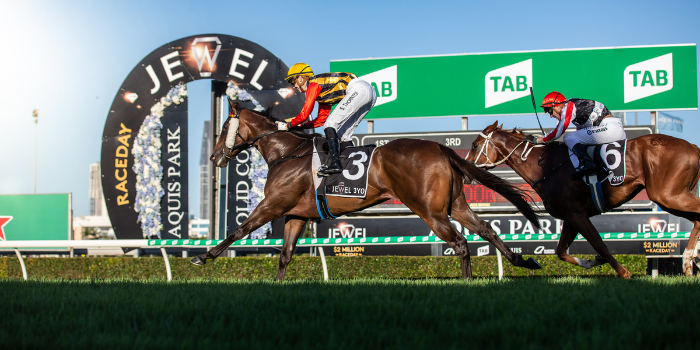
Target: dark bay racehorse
[(426, 176), (667, 167)]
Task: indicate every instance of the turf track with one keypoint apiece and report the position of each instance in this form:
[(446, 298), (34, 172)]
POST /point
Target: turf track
[(517, 313)]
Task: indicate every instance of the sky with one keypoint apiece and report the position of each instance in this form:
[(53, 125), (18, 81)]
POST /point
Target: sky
[(68, 59)]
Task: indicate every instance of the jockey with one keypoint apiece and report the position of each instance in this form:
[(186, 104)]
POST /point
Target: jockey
[(594, 125), (354, 97)]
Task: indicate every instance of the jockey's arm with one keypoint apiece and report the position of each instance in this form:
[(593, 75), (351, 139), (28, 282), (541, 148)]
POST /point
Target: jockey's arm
[(312, 93), (561, 126), (323, 111)]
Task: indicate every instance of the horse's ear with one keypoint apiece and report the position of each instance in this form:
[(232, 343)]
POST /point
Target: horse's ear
[(233, 107), (494, 125), (500, 127)]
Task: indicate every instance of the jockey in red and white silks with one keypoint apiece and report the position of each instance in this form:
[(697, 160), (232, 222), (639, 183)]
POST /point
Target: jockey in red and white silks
[(594, 125)]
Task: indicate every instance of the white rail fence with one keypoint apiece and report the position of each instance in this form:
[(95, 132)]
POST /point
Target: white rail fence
[(187, 243), (162, 244)]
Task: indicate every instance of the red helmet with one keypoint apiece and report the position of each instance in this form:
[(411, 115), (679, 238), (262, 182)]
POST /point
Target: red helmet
[(553, 98)]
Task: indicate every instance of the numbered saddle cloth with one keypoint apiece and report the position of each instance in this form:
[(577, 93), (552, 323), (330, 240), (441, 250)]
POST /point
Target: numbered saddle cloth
[(352, 181), (610, 155)]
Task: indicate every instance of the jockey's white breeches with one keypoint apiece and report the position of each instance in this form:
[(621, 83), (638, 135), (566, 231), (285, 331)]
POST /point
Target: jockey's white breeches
[(348, 113), (609, 130)]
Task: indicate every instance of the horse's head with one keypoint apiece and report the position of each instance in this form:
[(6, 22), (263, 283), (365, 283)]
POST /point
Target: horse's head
[(484, 151), (238, 133), (494, 146)]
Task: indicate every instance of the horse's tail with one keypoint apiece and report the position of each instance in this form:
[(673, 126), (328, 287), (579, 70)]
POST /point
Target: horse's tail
[(513, 194)]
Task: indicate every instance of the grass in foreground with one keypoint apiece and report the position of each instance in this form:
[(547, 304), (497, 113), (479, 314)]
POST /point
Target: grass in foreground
[(517, 313)]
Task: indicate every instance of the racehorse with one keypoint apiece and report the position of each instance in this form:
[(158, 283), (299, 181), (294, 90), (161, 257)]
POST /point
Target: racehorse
[(426, 176), (667, 167)]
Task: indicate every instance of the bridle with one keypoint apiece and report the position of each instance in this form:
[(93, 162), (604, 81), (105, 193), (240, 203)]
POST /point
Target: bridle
[(249, 143), (245, 144), (485, 149)]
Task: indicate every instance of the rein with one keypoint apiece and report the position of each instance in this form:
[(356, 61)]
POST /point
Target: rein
[(288, 157), (246, 144), (523, 156), (228, 152), (485, 149)]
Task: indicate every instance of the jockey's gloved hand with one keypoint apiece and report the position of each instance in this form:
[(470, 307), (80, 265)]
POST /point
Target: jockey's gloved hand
[(282, 126), (530, 138)]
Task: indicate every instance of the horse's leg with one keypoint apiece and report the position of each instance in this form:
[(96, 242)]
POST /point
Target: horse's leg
[(434, 212), (584, 225), (262, 214), (292, 229), (686, 205), (691, 249), (567, 237), (444, 229), (466, 216)]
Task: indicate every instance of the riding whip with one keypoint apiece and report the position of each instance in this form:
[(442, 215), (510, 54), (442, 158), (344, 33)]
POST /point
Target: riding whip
[(532, 94)]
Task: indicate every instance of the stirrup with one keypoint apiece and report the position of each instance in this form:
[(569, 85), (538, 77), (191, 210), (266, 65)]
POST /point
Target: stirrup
[(583, 170), (325, 170)]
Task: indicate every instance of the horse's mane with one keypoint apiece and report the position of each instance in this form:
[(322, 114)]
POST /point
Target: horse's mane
[(517, 131)]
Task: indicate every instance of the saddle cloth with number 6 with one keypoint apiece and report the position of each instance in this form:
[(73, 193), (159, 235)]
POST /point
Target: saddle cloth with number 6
[(611, 155), (352, 181)]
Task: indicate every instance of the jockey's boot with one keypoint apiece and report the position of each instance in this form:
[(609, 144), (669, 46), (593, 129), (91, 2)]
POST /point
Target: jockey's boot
[(334, 147), (585, 162)]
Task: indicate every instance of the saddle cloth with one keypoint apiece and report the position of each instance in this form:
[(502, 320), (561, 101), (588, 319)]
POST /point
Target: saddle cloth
[(610, 155), (352, 181)]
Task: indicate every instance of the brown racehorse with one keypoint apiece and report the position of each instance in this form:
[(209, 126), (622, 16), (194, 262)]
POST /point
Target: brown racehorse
[(426, 176), (667, 167)]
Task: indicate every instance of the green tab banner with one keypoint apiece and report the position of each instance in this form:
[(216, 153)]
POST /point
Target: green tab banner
[(34, 217), (623, 78), (412, 239)]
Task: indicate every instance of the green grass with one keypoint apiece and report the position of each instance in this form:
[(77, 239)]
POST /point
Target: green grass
[(517, 313), (301, 268)]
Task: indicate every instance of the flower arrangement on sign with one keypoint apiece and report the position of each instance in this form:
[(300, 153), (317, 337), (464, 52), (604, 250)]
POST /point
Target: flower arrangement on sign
[(235, 93), (258, 179), (149, 171), (258, 169)]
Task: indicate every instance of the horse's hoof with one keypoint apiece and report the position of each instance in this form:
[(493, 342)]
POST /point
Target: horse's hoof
[(532, 264), (198, 261)]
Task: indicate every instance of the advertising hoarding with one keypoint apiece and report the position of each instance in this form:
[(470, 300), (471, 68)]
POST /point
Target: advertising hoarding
[(36, 217), (645, 233), (662, 77)]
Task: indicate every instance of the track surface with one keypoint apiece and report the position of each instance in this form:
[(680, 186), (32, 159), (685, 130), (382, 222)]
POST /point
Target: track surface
[(515, 313)]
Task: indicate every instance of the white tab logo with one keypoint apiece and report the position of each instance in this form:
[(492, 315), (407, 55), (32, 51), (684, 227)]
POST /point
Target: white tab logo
[(482, 251), (508, 83), (384, 84), (648, 78)]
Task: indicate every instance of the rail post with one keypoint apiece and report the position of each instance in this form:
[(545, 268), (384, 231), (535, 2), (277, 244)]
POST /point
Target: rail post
[(167, 264)]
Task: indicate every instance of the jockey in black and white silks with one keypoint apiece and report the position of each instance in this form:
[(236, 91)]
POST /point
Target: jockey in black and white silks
[(594, 125)]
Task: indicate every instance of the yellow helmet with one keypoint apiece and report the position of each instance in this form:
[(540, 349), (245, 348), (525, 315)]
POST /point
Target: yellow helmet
[(297, 70)]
